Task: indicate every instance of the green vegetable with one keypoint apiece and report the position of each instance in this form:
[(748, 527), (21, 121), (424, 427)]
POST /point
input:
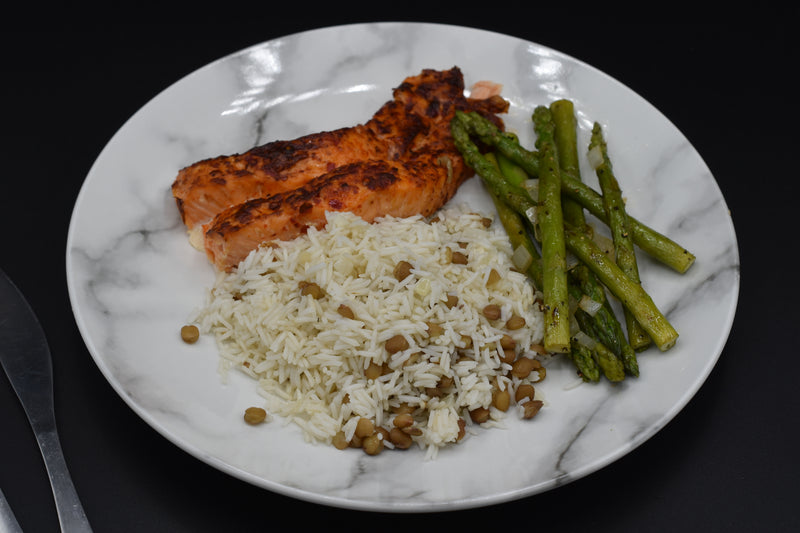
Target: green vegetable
[(557, 219), (659, 246), (583, 359), (513, 173), (515, 196), (629, 293), (608, 361), (614, 205), (551, 230), (518, 233), (607, 328), (566, 139), (604, 327), (506, 143)]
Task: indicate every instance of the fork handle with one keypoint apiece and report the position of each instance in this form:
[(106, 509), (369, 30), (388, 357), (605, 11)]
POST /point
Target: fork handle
[(70, 511)]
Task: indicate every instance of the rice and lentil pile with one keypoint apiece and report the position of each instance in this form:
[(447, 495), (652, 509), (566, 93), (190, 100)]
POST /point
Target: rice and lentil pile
[(401, 332)]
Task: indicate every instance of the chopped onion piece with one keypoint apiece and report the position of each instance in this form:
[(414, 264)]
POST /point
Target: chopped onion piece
[(590, 306), (605, 243), (423, 287), (573, 305), (532, 186), (573, 325), (595, 155), (571, 260), (521, 258), (531, 214), (584, 340)]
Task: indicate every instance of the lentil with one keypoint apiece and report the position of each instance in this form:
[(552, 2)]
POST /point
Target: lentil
[(462, 429), (492, 311), (254, 415), (459, 258), (339, 442), (509, 356), (507, 342), (524, 390), (396, 344), (190, 334), (311, 289), (531, 408), (515, 322), (434, 329), (373, 444), (346, 312), (403, 420), (400, 439), (364, 427), (373, 371), (479, 415), (501, 400), (402, 270), (522, 367)]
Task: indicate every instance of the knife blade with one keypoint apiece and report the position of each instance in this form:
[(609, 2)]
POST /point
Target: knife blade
[(24, 353), (25, 357)]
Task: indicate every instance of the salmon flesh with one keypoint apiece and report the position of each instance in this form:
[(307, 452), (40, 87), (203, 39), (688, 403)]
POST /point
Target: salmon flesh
[(399, 163)]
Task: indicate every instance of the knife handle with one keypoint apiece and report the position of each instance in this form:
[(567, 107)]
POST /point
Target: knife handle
[(70, 511)]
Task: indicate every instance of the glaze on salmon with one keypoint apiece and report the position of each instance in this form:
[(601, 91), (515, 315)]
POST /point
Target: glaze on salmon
[(401, 162), (401, 188)]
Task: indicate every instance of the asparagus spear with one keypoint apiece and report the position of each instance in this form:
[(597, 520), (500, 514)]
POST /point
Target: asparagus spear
[(607, 328), (515, 196), (659, 246), (630, 293), (517, 231), (611, 365), (581, 356), (602, 326), (551, 228), (512, 172), (518, 235), (566, 139), (614, 205), (507, 143)]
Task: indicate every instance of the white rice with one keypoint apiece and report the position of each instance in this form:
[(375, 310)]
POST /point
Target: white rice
[(309, 361)]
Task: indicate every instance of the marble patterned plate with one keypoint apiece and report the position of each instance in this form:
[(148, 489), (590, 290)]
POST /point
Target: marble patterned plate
[(133, 278)]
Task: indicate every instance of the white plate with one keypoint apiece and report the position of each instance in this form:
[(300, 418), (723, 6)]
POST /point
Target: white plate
[(133, 279)]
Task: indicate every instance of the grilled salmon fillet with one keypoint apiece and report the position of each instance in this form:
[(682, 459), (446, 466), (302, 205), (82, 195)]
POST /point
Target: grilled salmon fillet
[(372, 189), (205, 188), (409, 137)]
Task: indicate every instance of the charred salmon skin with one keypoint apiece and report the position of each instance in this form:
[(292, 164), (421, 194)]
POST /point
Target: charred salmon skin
[(372, 189), (409, 137)]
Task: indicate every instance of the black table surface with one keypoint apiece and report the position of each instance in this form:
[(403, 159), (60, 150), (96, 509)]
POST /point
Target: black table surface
[(727, 462)]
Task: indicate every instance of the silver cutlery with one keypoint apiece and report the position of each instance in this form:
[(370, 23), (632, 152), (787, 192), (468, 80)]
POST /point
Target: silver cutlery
[(8, 522), (25, 357)]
